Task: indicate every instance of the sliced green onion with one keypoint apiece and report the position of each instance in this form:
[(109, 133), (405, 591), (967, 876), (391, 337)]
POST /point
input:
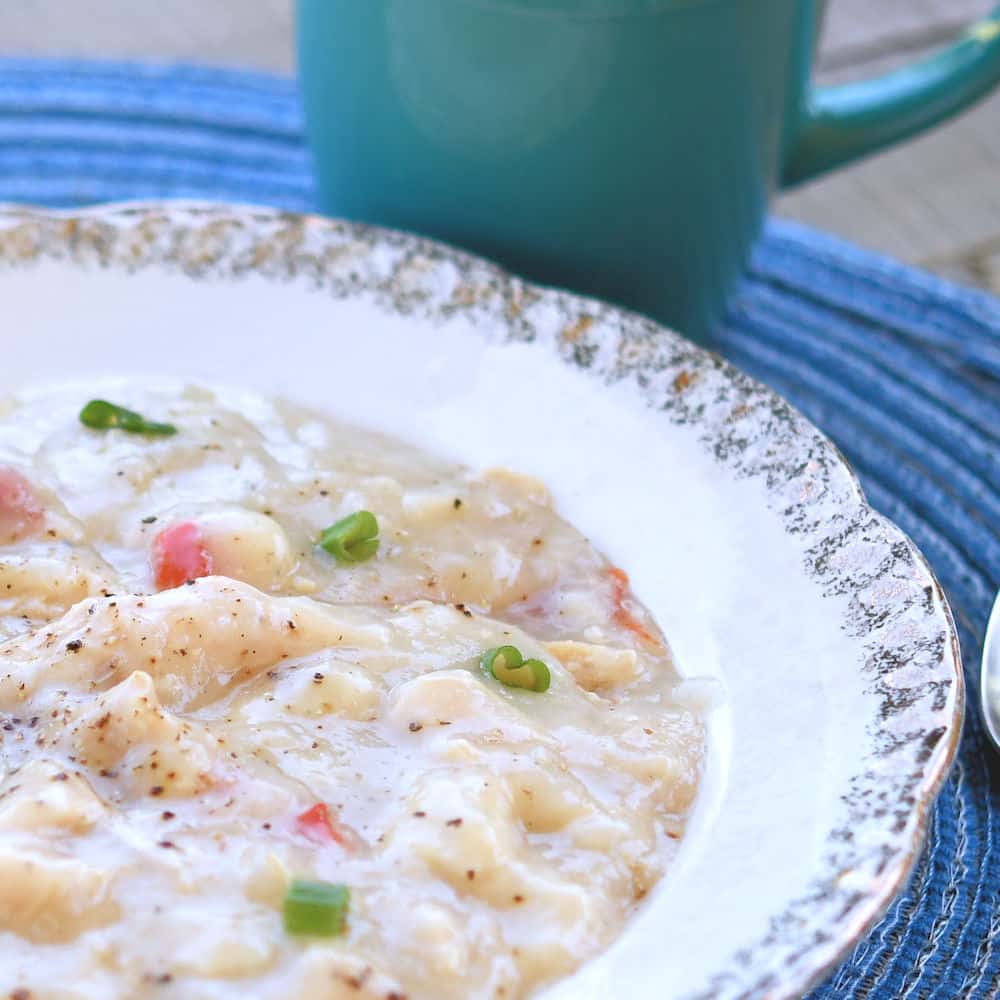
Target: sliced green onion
[(509, 667), (354, 539), (102, 415), (316, 909)]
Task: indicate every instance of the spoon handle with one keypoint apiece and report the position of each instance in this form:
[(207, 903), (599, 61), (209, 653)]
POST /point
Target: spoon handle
[(990, 677)]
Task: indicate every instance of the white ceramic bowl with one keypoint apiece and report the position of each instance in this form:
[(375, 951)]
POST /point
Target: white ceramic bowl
[(740, 525)]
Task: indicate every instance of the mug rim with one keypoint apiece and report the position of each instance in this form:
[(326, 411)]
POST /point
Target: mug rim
[(589, 9)]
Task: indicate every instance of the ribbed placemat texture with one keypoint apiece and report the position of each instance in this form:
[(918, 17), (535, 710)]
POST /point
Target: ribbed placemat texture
[(901, 369)]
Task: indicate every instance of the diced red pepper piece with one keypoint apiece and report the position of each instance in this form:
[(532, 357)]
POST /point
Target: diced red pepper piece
[(21, 512), (179, 555), (622, 616), (318, 825)]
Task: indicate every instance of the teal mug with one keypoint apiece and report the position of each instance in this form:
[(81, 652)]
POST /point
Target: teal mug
[(622, 148)]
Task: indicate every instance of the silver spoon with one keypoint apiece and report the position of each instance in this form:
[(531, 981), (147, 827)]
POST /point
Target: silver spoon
[(990, 677)]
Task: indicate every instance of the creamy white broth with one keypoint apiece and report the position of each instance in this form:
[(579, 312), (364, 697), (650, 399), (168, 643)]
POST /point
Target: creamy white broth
[(160, 746)]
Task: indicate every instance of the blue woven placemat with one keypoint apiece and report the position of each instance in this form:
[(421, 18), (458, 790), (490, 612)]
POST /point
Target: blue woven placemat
[(901, 369)]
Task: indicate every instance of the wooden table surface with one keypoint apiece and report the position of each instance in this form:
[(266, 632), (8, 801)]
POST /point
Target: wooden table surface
[(934, 202)]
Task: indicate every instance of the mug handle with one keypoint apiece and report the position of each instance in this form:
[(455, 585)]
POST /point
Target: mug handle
[(847, 121)]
